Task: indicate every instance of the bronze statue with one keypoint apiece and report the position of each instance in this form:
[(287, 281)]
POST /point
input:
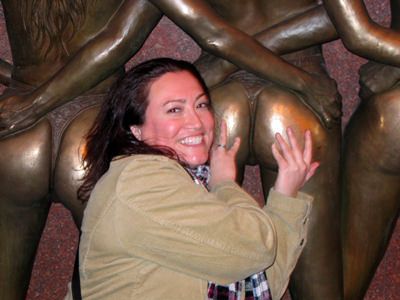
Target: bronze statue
[(371, 171), (371, 186), (81, 57), (264, 107), (371, 178)]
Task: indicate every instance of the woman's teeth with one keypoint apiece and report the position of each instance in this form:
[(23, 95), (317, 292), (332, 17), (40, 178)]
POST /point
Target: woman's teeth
[(191, 140)]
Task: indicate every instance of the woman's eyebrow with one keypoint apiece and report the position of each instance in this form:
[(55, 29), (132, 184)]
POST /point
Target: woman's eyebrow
[(174, 100), (201, 95), (183, 100)]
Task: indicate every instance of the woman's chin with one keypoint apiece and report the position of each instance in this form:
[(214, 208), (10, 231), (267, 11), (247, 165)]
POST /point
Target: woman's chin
[(195, 161)]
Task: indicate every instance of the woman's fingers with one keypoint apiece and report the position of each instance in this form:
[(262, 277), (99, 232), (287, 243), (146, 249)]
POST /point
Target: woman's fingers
[(296, 150), (286, 150), (277, 155), (235, 147), (307, 154), (223, 160), (292, 151), (295, 164), (223, 140), (223, 134), (311, 170)]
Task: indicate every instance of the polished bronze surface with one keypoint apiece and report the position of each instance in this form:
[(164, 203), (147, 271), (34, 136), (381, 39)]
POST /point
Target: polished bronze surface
[(273, 106), (82, 57), (371, 170), (88, 53), (371, 188)]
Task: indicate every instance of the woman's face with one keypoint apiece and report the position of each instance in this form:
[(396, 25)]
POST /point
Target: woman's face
[(179, 116)]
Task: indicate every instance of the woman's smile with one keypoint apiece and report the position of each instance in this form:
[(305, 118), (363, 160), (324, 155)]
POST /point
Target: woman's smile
[(192, 140)]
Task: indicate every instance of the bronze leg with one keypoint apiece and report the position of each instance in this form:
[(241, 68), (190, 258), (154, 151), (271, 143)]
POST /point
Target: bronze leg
[(68, 174), (318, 274), (68, 169), (371, 188), (25, 166)]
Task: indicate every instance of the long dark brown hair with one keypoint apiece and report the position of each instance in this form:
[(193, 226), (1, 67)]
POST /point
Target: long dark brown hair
[(125, 106)]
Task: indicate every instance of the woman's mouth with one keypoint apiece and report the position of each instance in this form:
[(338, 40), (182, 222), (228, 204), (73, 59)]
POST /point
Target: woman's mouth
[(191, 140)]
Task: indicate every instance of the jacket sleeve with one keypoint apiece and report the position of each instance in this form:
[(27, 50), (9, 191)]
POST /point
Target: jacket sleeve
[(291, 218), (163, 216)]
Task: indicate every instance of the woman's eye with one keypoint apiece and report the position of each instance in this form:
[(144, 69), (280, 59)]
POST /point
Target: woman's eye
[(203, 105), (174, 110)]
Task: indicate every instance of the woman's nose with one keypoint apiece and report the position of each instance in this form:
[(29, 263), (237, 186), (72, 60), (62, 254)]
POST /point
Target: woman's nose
[(193, 120)]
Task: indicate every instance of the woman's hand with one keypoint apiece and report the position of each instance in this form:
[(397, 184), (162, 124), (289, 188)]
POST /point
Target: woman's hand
[(295, 165), (222, 160)]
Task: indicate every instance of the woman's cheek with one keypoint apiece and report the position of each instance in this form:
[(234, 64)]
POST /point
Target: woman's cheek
[(170, 128)]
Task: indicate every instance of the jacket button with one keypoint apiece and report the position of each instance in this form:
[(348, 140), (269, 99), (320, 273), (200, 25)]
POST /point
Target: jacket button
[(301, 242), (305, 221)]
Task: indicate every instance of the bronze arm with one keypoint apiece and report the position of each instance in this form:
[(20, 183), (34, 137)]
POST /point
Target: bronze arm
[(361, 35), (102, 56), (312, 27), (199, 20), (365, 38), (309, 28), (123, 37)]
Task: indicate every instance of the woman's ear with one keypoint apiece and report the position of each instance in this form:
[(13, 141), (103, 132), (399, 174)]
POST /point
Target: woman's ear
[(136, 132)]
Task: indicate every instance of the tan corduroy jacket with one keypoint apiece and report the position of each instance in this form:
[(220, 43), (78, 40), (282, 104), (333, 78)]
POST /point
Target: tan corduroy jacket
[(149, 232)]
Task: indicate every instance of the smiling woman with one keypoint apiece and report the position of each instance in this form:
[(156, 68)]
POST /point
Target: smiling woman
[(164, 203), (179, 116)]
